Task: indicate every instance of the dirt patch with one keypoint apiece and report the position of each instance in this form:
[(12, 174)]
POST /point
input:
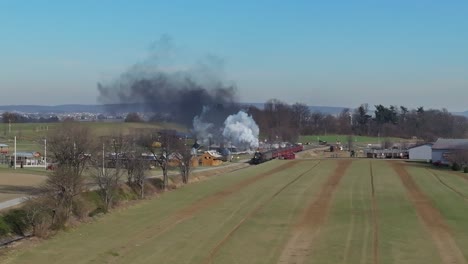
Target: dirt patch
[(375, 222), (431, 218), (300, 244), (189, 211), (309, 153), (13, 185)]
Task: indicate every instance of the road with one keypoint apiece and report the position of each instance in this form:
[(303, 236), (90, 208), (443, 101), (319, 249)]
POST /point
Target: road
[(19, 200)]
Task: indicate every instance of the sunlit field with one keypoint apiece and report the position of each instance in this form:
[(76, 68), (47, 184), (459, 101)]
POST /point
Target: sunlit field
[(300, 211)]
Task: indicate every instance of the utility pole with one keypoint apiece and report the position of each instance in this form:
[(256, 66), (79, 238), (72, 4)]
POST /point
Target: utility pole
[(45, 153), (103, 161), (15, 152)]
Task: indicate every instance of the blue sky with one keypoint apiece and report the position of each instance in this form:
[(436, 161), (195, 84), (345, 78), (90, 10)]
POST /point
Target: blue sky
[(335, 53)]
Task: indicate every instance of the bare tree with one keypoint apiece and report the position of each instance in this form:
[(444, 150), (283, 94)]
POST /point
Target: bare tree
[(184, 158), (109, 167), (60, 190), (137, 166), (107, 180), (70, 145), (301, 115), (160, 144), (38, 215)]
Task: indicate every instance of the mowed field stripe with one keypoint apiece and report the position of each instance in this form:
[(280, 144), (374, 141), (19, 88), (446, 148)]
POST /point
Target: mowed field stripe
[(349, 237), (253, 212), (188, 212), (375, 221), (431, 218), (303, 235)]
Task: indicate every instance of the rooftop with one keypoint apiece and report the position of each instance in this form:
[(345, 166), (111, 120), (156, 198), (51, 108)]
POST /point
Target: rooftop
[(451, 143)]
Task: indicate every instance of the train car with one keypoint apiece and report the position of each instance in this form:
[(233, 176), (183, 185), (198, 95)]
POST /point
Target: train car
[(261, 156), (281, 153)]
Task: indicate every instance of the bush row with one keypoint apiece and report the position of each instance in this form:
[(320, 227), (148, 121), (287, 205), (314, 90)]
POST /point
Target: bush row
[(457, 167), (29, 220)]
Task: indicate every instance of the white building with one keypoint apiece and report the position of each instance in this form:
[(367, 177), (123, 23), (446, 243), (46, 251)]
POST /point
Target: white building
[(421, 152), (443, 147)]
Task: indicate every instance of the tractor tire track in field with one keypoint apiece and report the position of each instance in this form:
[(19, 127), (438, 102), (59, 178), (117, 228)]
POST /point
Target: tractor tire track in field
[(349, 237), (188, 212), (459, 175), (218, 246), (431, 218), (447, 185), (375, 221), (314, 217)]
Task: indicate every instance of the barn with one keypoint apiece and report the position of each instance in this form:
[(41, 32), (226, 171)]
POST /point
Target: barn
[(443, 147), (421, 152)]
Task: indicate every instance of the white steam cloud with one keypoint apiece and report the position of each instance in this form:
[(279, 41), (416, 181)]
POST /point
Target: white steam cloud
[(202, 130), (241, 129)]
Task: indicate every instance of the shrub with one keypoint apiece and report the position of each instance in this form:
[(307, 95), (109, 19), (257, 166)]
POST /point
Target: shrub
[(39, 216), (4, 227), (18, 222), (96, 212), (82, 207), (456, 166), (465, 170), (42, 229), (60, 218), (126, 193), (92, 197)]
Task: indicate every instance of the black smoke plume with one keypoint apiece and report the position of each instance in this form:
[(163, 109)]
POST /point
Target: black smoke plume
[(179, 95)]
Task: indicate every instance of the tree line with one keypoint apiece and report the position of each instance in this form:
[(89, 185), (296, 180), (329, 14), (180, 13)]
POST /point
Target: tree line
[(9, 117), (279, 121)]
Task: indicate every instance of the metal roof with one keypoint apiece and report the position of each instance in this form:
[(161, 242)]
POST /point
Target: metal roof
[(420, 145), (451, 143), (25, 154)]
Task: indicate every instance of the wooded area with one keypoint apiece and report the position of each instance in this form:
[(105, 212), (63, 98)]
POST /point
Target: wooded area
[(279, 121)]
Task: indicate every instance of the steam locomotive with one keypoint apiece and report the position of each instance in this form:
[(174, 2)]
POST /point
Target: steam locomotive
[(281, 153)]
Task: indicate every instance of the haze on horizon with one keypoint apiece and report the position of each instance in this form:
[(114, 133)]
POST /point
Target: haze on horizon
[(340, 53)]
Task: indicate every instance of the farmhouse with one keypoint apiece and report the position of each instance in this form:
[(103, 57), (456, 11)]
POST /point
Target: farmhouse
[(443, 147), (421, 152), (29, 159)]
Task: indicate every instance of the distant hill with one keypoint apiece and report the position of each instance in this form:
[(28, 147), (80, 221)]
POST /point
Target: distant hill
[(323, 109), (72, 108), (53, 109), (77, 108), (461, 113), (80, 108)]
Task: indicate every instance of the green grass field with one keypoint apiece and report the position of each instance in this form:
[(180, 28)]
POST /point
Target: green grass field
[(30, 136), (344, 139), (301, 211)]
